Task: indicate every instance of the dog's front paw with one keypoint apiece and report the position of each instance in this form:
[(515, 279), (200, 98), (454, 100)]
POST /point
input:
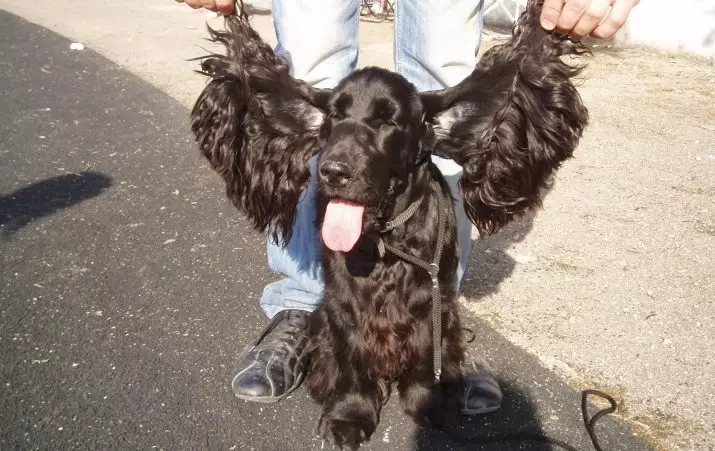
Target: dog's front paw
[(345, 434), (348, 425)]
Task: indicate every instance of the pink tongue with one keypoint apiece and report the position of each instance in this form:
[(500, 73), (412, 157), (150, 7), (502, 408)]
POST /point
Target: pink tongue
[(342, 225)]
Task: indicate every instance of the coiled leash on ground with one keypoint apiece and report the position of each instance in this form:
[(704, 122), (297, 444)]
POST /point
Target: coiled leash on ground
[(590, 423)]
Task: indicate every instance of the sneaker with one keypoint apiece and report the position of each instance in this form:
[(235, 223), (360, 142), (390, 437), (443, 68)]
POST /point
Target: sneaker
[(273, 367)]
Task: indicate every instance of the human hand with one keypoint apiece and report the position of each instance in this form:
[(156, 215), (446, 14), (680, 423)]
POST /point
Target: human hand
[(223, 6), (580, 18)]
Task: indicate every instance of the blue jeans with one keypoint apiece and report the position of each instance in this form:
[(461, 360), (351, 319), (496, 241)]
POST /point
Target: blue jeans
[(436, 42)]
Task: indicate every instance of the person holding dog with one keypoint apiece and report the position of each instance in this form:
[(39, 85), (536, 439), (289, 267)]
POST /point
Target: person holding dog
[(319, 40)]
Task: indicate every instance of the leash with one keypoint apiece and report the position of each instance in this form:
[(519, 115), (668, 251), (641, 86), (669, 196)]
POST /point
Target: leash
[(431, 268)]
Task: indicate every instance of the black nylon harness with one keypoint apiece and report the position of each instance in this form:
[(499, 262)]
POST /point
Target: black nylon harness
[(431, 268)]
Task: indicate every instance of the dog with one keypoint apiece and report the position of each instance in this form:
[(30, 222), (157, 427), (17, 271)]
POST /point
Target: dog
[(388, 228)]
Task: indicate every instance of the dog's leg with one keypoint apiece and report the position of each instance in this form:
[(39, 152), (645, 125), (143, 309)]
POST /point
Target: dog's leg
[(351, 403), (452, 352), (421, 397)]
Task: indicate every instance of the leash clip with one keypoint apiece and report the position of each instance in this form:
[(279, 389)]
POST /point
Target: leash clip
[(434, 272)]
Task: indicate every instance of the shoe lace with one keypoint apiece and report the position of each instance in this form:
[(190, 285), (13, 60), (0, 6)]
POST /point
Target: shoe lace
[(282, 338)]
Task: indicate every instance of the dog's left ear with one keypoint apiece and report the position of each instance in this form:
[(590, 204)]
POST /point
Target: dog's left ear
[(512, 122), (257, 126)]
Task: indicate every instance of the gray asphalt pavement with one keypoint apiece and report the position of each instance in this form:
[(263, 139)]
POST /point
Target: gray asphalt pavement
[(130, 285)]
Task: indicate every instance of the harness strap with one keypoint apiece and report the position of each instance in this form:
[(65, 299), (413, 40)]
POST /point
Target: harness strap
[(431, 268), (402, 217), (391, 225)]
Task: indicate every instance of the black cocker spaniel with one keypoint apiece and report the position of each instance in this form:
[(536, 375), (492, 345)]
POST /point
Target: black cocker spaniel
[(387, 223)]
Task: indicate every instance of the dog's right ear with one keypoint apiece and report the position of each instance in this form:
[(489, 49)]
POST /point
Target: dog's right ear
[(257, 126)]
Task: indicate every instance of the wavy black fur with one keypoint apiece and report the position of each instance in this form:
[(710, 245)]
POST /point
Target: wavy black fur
[(510, 124), (257, 126)]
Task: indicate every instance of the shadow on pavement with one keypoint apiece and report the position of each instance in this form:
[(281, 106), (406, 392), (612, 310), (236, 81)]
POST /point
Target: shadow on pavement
[(48, 196), (517, 417)]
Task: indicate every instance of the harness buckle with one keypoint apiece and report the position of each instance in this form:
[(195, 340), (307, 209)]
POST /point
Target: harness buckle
[(434, 269)]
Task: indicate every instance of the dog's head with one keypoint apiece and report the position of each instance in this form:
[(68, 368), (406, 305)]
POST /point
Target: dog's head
[(372, 142)]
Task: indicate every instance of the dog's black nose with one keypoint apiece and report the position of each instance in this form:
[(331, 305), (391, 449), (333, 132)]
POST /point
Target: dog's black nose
[(334, 173)]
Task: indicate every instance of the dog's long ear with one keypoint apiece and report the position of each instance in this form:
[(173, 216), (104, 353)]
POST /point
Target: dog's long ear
[(512, 122), (257, 126)]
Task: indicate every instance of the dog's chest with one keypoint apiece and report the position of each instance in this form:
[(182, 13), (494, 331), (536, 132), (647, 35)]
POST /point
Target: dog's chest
[(372, 281), (386, 328), (389, 306)]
